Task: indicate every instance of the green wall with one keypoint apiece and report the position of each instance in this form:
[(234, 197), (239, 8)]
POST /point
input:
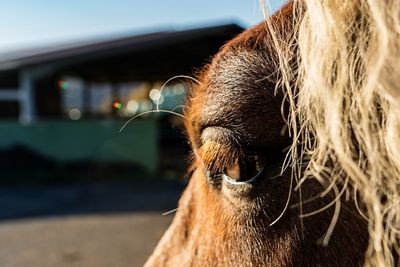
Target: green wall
[(97, 141)]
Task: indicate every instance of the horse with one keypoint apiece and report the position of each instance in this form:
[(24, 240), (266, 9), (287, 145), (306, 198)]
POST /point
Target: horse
[(241, 206)]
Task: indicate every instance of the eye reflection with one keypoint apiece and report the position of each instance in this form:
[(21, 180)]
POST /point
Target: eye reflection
[(243, 170), (235, 171)]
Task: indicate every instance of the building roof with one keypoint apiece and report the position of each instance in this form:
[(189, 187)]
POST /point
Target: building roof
[(116, 45)]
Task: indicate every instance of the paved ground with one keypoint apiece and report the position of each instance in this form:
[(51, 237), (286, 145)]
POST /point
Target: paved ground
[(83, 225), (94, 240)]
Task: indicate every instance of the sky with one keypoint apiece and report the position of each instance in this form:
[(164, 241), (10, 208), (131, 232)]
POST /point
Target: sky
[(30, 23)]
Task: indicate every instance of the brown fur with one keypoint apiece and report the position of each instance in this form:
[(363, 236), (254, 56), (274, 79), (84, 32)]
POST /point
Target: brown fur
[(220, 226)]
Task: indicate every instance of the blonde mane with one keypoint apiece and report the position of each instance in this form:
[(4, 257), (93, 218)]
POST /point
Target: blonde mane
[(345, 108)]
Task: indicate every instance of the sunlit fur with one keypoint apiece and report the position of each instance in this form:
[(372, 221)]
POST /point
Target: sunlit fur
[(345, 110)]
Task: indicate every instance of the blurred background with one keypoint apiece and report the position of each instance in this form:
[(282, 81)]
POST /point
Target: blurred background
[(74, 189)]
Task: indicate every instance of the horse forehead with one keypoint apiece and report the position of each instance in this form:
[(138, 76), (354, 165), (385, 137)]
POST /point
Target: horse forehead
[(238, 88), (240, 95), (239, 67), (248, 62), (241, 78)]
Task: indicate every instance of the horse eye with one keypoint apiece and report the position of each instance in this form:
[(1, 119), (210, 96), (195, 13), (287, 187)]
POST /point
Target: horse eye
[(244, 169), (236, 171)]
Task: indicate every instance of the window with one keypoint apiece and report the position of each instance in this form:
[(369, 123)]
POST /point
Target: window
[(101, 98), (72, 95)]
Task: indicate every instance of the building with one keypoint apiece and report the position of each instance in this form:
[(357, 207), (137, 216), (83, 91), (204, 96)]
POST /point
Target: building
[(64, 100)]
